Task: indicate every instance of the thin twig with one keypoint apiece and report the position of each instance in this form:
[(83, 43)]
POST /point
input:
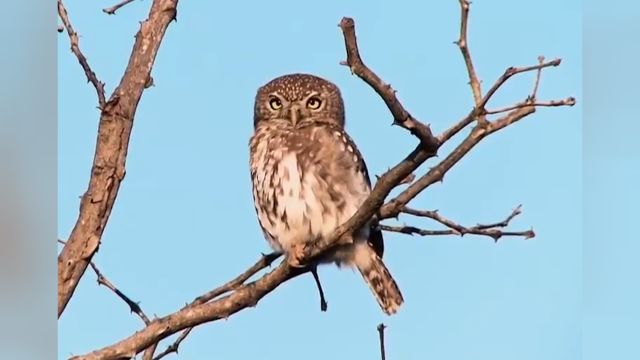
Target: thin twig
[(412, 230), (381, 328), (508, 73), (173, 348), (102, 280), (504, 223), (75, 48), (133, 306), (323, 301), (463, 45), (534, 92), (264, 262), (434, 215), (570, 101), (491, 230), (112, 10)]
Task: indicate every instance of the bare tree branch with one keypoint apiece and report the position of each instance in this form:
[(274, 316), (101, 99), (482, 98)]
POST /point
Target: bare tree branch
[(173, 348), (108, 170), (534, 92), (462, 43), (134, 307), (75, 48), (508, 73), (401, 116), (491, 230), (112, 10), (570, 101), (264, 262)]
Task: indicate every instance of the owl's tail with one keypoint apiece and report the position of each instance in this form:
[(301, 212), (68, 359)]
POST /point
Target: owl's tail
[(379, 279)]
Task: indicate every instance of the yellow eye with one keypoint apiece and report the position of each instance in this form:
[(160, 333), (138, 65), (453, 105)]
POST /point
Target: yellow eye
[(275, 103), (314, 103)]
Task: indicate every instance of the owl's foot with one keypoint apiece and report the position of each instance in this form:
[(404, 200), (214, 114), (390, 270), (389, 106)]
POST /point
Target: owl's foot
[(295, 256)]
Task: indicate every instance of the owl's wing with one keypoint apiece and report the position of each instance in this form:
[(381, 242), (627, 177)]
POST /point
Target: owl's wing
[(345, 169)]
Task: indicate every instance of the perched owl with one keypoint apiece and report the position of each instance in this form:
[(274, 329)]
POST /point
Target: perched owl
[(308, 177)]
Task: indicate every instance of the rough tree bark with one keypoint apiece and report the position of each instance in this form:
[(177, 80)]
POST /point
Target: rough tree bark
[(116, 122), (108, 171)]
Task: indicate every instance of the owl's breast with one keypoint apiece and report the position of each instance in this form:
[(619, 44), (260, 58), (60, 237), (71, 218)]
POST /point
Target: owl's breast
[(303, 187)]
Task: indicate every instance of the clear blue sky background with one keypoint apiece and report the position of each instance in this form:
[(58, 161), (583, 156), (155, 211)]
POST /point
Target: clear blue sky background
[(184, 220)]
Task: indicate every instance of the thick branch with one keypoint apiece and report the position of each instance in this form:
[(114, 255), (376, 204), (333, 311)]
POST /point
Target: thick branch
[(108, 170), (189, 316), (75, 48), (264, 262)]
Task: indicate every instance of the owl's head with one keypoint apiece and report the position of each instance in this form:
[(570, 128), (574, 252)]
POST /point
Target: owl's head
[(299, 98)]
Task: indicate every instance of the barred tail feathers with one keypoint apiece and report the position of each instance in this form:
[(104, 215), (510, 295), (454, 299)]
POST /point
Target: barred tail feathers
[(378, 278)]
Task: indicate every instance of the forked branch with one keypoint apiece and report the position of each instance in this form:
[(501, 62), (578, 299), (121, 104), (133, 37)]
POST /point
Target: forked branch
[(493, 230)]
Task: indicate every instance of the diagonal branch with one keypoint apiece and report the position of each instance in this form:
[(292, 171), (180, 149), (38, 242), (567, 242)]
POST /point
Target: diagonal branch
[(134, 306), (264, 262), (393, 207), (112, 10), (401, 116), (75, 48), (108, 170)]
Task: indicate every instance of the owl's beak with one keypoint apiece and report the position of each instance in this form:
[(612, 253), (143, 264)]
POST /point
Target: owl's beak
[(294, 115)]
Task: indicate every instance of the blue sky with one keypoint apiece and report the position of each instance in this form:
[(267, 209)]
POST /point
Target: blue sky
[(184, 220)]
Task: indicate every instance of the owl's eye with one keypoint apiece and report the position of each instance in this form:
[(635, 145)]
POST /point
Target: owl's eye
[(275, 103), (314, 103)]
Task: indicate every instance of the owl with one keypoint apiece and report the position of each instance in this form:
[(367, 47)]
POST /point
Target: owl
[(308, 177)]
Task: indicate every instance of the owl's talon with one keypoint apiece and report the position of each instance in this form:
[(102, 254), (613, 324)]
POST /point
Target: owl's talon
[(295, 256)]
